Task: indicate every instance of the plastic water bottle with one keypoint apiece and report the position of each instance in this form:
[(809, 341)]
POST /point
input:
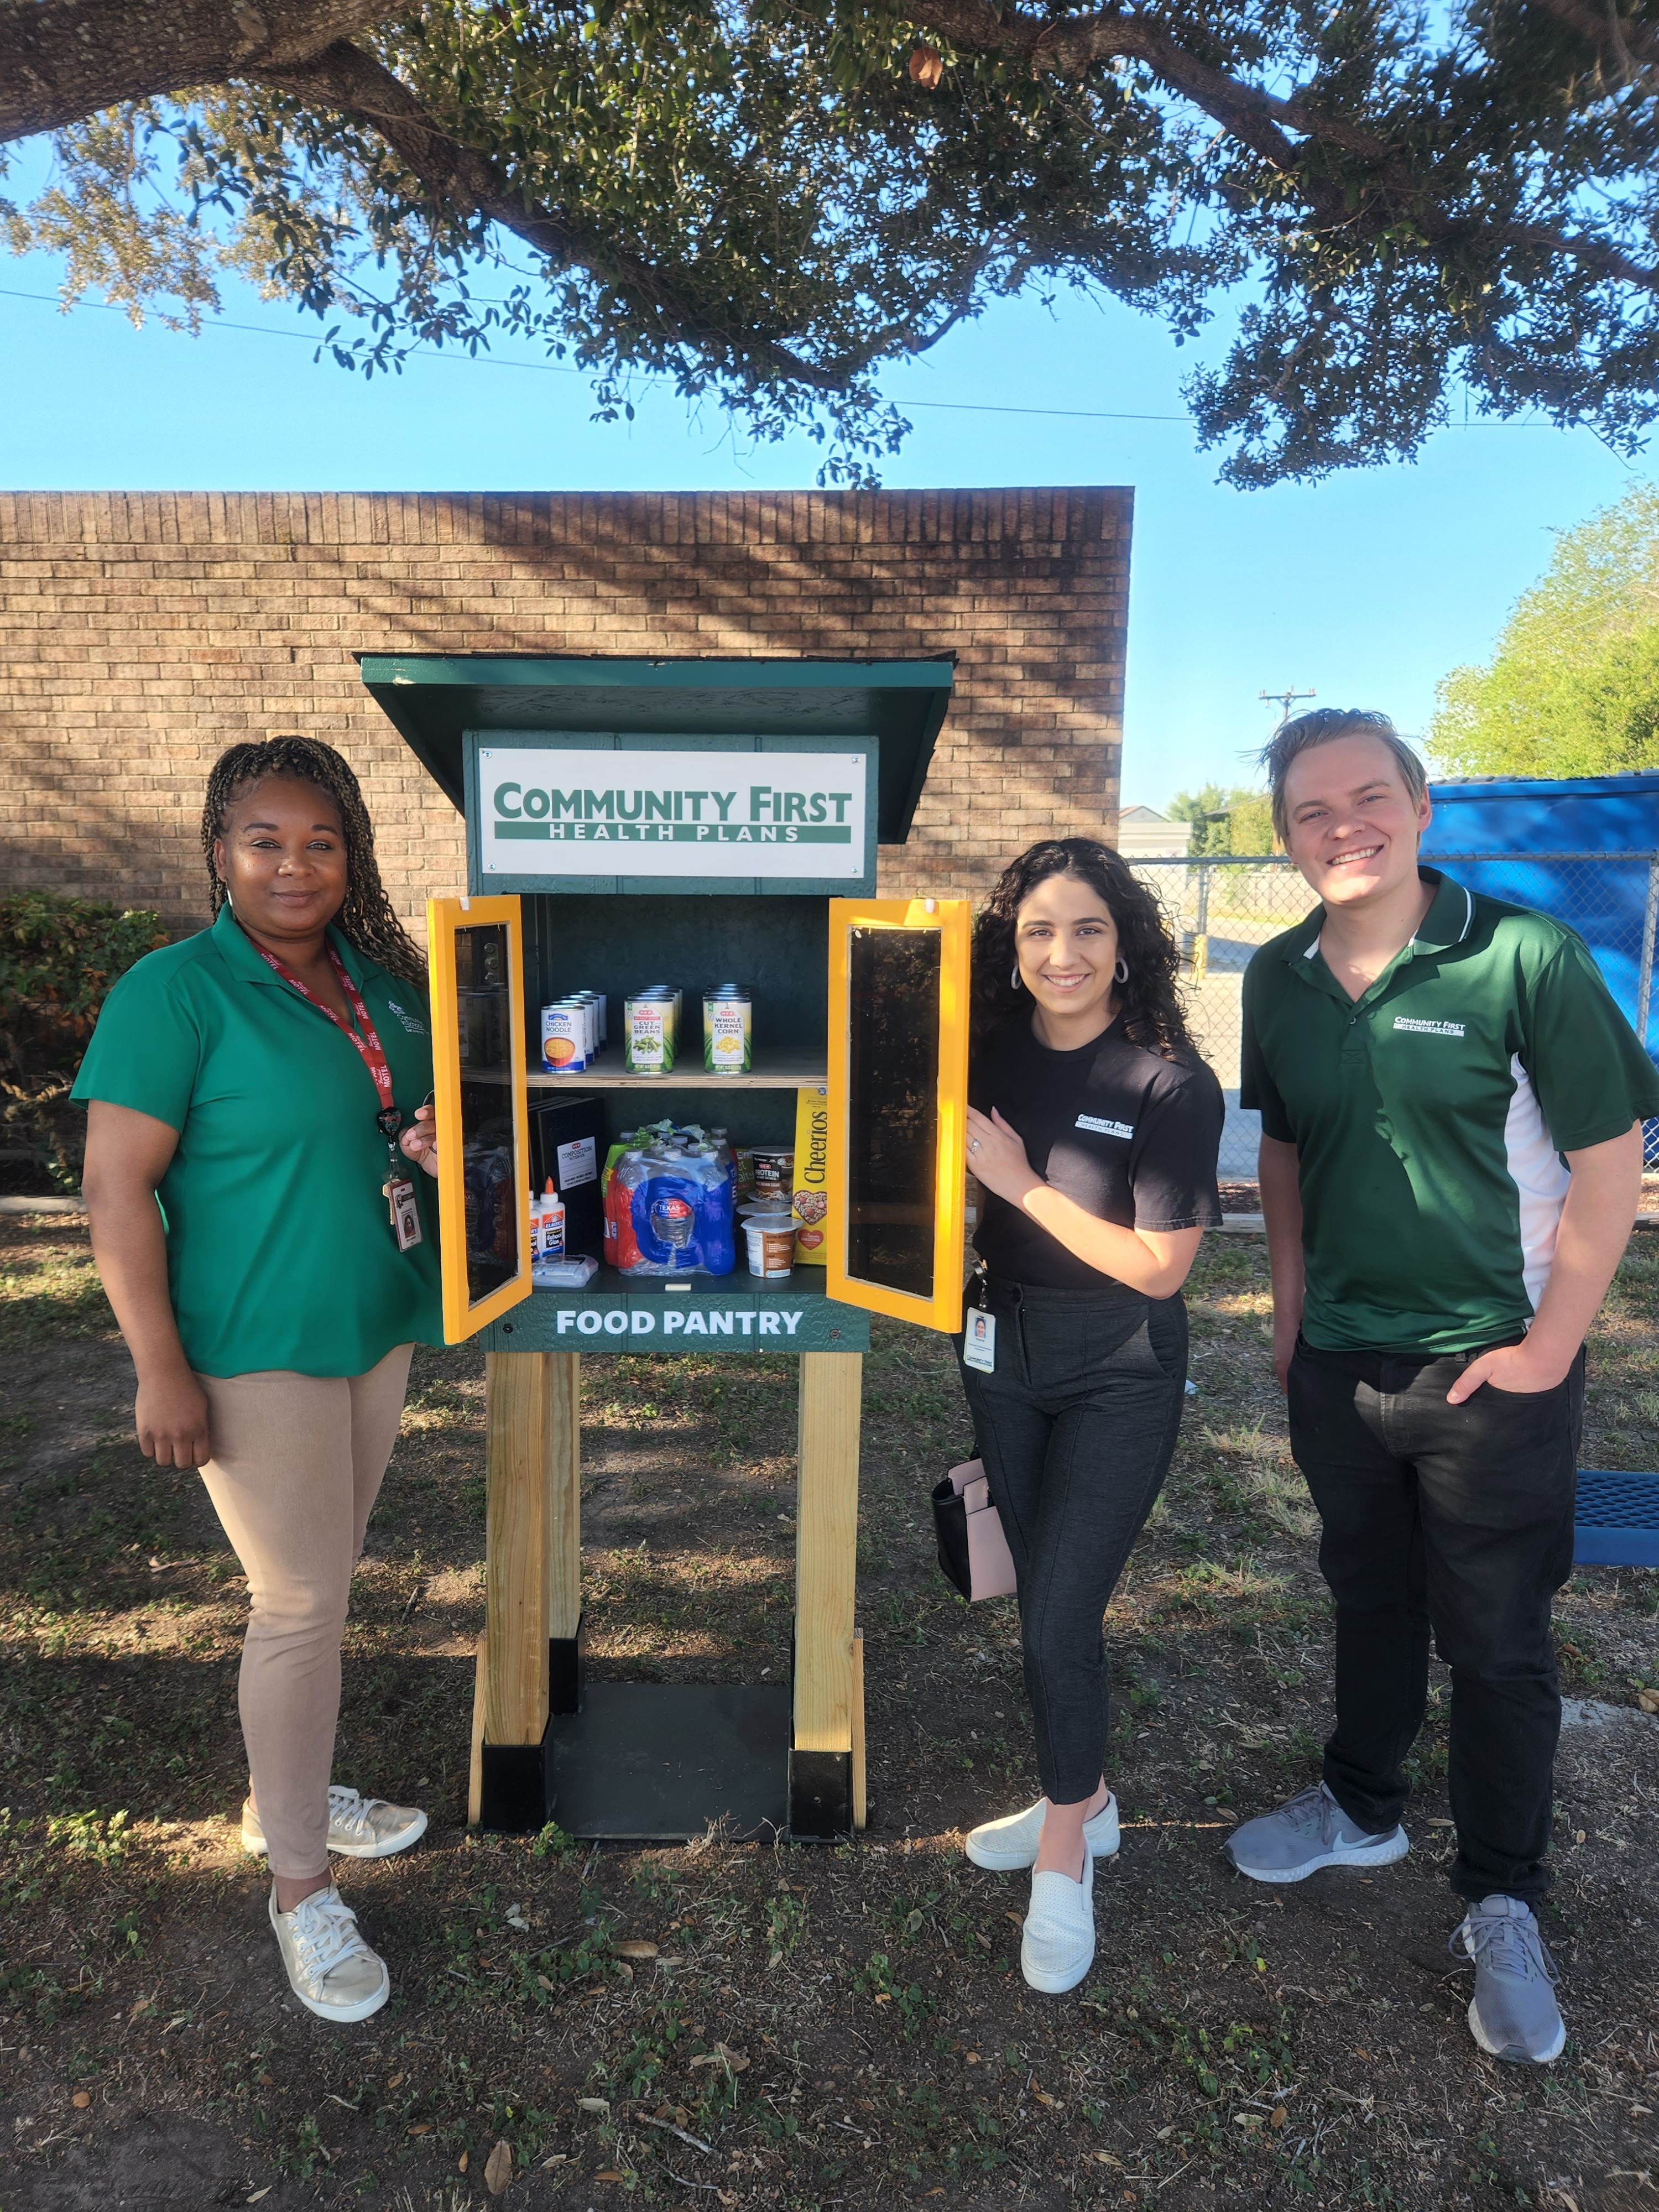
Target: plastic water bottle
[(631, 1174)]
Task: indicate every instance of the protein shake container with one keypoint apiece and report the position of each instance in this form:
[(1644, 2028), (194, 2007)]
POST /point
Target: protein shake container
[(774, 1173), (727, 1030)]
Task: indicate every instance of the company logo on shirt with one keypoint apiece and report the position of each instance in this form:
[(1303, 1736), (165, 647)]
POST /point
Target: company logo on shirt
[(1104, 1128), (414, 1027), (1428, 1028)]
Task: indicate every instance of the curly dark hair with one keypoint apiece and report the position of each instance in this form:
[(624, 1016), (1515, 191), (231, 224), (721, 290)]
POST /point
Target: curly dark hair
[(366, 919), (1152, 1013)]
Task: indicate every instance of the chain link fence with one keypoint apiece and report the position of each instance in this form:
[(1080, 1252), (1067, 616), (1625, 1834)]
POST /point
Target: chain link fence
[(1221, 909)]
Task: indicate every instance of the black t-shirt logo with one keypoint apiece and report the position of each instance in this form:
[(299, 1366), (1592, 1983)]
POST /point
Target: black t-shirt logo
[(1102, 1128)]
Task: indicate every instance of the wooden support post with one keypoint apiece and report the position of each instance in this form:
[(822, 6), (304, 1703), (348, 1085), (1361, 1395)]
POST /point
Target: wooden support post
[(826, 1546), (861, 1794), (474, 1766), (517, 1543), (533, 1574), (564, 1613)]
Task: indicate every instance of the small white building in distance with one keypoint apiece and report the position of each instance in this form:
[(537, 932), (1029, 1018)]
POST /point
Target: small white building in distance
[(1143, 834)]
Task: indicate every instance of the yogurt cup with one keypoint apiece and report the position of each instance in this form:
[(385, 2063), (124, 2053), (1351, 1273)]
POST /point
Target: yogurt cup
[(771, 1241)]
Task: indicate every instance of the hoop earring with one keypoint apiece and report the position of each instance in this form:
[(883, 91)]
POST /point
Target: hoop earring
[(1121, 973), (1014, 983)]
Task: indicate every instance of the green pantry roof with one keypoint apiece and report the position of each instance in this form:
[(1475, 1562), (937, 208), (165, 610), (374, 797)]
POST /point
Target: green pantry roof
[(432, 698)]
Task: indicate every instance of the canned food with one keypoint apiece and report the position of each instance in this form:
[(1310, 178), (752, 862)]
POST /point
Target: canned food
[(564, 1038), (649, 1047), (479, 1023), (727, 1032)]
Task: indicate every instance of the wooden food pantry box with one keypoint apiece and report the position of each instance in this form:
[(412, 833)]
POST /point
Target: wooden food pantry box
[(683, 824)]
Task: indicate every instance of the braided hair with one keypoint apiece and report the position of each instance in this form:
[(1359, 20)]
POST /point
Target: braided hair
[(1152, 1013), (366, 919)]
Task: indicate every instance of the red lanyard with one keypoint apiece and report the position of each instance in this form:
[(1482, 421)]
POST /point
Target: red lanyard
[(368, 1044)]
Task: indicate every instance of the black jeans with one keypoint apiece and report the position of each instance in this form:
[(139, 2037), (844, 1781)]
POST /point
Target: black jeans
[(1458, 1518), (1077, 1428)]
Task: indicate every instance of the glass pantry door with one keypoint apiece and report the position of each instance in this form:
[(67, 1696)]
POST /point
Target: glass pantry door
[(898, 1097), (474, 950)]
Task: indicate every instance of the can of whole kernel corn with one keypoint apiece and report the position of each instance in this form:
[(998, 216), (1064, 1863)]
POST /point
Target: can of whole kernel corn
[(727, 1031)]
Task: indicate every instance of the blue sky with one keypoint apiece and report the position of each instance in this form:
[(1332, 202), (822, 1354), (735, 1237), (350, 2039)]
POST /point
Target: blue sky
[(1366, 588)]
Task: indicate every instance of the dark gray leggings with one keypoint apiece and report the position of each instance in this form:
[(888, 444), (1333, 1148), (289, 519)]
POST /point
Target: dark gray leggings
[(1077, 1428)]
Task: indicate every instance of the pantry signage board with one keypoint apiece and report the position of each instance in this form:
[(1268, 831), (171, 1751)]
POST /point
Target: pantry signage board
[(588, 811), (731, 1314)]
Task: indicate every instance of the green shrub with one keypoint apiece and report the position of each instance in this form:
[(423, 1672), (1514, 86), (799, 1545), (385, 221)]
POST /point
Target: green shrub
[(58, 957)]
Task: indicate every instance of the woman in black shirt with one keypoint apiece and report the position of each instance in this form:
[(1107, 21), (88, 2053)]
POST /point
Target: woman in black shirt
[(1093, 1128)]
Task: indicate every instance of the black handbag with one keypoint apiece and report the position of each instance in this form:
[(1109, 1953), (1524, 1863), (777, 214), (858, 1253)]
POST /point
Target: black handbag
[(973, 1552)]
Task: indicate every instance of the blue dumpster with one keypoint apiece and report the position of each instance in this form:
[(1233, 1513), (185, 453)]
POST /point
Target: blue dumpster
[(1599, 831)]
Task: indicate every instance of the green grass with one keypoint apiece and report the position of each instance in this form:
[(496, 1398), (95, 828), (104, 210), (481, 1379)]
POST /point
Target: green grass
[(840, 2025)]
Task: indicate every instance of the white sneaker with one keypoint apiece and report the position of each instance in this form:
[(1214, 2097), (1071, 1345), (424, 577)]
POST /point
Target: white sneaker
[(358, 1827), (1002, 1845), (331, 1969), (1058, 1946)]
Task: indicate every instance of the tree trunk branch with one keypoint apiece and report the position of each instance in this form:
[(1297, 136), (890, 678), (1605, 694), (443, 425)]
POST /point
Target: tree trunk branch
[(1631, 46), (62, 60), (1259, 120), (353, 83)]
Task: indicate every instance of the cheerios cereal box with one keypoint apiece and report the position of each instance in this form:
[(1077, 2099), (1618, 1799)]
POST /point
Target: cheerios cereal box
[(813, 1197)]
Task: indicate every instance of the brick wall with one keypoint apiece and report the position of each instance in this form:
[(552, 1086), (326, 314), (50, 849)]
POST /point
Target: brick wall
[(141, 633)]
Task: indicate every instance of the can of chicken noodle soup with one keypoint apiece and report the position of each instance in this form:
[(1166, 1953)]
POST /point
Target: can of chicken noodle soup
[(564, 1038)]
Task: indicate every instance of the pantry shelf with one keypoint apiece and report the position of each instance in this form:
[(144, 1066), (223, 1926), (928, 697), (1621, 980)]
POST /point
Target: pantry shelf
[(786, 1069)]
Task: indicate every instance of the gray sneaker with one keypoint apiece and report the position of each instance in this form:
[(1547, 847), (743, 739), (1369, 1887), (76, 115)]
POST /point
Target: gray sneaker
[(1312, 1830), (1513, 2014)]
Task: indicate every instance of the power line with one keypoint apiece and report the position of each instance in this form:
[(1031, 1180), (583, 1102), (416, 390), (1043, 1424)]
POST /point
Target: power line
[(552, 368)]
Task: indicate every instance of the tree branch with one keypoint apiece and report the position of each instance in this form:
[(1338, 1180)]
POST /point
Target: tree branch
[(1616, 38), (353, 83), (62, 60), (1073, 45)]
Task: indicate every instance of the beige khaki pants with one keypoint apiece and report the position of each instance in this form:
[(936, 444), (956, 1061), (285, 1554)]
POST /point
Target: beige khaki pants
[(296, 1466)]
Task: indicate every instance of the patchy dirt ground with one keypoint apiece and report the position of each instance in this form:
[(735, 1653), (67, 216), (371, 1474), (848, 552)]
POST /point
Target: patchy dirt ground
[(814, 2028)]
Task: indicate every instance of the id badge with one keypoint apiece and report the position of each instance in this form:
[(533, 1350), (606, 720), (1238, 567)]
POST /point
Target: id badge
[(979, 1340), (405, 1213)]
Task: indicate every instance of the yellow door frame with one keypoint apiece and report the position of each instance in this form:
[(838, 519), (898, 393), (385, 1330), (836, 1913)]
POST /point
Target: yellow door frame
[(952, 920), (444, 917)]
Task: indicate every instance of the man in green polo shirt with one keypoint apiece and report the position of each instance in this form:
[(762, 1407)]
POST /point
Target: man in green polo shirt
[(1451, 1158)]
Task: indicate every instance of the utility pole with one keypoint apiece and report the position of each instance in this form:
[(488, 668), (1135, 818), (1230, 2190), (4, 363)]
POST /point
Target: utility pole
[(1286, 700)]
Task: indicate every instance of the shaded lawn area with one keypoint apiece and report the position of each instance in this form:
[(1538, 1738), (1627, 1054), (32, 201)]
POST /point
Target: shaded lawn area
[(792, 2027)]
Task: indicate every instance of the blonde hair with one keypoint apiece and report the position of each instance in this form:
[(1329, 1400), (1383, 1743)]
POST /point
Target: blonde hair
[(1321, 727)]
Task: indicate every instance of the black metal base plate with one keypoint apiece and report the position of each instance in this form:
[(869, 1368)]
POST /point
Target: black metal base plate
[(656, 1762), (517, 1778)]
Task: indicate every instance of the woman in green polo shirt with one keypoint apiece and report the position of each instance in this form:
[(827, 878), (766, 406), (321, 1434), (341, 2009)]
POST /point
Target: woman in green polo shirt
[(271, 1255)]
